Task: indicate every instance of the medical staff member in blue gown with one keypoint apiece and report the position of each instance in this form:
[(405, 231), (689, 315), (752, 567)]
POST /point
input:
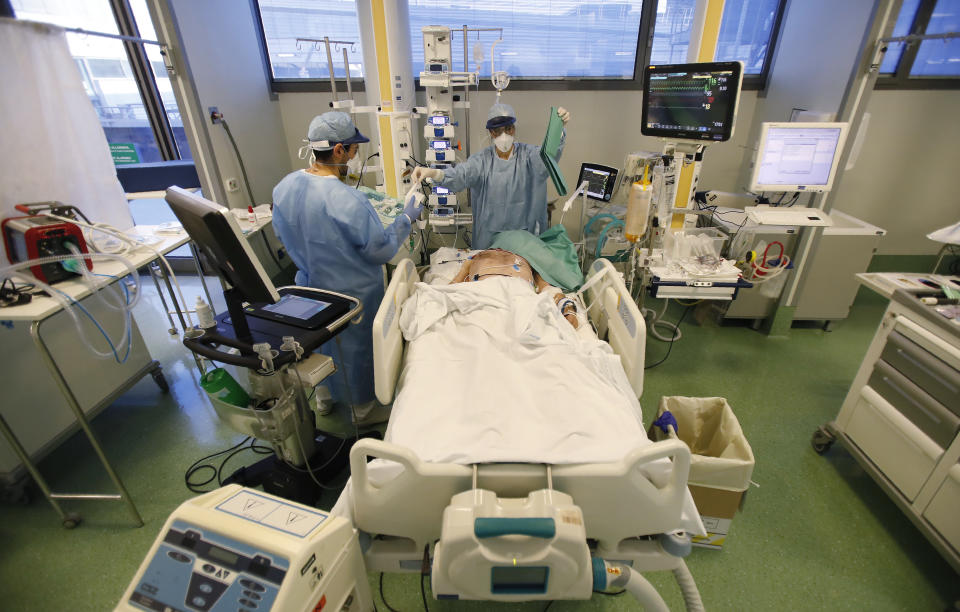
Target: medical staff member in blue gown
[(335, 237), (507, 180)]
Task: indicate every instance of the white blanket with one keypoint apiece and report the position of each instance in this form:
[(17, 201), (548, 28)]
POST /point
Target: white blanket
[(493, 373)]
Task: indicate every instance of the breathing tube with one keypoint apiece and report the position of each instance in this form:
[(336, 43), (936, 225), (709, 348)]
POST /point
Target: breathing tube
[(607, 574), (70, 262), (614, 223)]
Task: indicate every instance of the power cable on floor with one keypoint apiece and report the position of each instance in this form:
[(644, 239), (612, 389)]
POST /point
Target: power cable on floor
[(672, 340)]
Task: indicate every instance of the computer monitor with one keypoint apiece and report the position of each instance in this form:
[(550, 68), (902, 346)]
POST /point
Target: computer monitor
[(215, 230), (798, 156), (600, 181), (691, 101)]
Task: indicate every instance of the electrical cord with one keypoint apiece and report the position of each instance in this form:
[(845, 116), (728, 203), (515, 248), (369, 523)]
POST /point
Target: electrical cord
[(423, 593), (198, 465), (364, 167), (309, 469), (14, 295), (236, 151), (424, 572), (670, 348), (246, 182), (384, 599)]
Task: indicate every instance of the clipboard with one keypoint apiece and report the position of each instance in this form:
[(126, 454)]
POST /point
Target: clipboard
[(550, 150)]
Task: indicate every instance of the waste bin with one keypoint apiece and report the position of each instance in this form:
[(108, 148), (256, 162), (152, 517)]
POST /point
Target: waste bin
[(721, 462)]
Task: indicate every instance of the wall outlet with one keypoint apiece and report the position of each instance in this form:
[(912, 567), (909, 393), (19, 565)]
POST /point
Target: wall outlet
[(232, 185)]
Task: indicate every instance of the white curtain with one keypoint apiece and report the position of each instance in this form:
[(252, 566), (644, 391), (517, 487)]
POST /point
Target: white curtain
[(52, 146)]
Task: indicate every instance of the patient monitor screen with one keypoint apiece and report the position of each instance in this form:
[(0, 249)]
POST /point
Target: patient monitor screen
[(799, 157), (600, 181), (691, 101)]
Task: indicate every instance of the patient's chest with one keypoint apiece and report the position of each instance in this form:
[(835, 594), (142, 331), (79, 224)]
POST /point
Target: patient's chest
[(499, 263)]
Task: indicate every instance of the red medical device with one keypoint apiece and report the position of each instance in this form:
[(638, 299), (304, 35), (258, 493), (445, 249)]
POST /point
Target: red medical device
[(33, 237)]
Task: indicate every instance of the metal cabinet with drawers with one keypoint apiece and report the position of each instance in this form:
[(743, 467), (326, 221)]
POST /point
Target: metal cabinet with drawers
[(901, 418)]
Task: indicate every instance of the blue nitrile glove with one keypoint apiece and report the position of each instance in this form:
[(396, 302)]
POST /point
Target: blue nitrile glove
[(665, 420)]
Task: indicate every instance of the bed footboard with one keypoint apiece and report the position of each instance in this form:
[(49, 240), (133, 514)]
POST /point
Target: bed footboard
[(619, 501), (387, 337), (614, 314)]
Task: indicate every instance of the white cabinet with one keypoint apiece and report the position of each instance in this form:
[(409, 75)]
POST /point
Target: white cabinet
[(944, 508), (901, 419)]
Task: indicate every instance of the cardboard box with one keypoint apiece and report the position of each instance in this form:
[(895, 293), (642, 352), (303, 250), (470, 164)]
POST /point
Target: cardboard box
[(721, 461)]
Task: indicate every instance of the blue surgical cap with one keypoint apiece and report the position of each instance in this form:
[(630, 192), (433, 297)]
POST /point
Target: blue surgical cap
[(500, 115), (333, 127)]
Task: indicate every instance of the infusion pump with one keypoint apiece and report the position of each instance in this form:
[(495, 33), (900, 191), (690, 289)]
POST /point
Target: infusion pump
[(241, 549)]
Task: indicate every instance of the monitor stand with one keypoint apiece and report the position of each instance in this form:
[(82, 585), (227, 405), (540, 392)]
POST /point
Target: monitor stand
[(241, 330)]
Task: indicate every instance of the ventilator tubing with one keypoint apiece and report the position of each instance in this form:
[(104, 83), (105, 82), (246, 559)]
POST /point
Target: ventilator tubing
[(691, 594), (646, 595), (67, 302), (638, 210)]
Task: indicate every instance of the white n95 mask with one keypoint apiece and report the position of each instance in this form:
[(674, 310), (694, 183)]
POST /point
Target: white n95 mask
[(503, 142)]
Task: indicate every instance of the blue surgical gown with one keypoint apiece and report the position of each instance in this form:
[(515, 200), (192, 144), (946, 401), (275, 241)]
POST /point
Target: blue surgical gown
[(506, 194), (335, 237)]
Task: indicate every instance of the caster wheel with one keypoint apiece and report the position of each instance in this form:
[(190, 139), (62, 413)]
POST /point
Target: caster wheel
[(161, 381), (71, 520), (821, 441)]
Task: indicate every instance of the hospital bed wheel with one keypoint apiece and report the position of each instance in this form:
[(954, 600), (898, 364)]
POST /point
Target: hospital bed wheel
[(161, 381), (71, 520), (821, 441)]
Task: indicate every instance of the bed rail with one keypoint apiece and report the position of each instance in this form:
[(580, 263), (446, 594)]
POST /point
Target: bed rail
[(614, 314), (618, 500), (616, 317), (387, 338)]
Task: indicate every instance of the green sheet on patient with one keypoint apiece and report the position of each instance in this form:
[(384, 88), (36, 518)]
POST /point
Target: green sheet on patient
[(551, 254)]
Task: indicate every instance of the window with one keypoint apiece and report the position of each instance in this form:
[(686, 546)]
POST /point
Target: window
[(929, 63), (284, 21), (550, 39), (671, 33), (110, 81), (940, 58), (161, 78), (747, 33), (581, 41)]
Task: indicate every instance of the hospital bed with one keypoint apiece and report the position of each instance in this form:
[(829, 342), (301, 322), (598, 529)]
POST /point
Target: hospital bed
[(628, 499)]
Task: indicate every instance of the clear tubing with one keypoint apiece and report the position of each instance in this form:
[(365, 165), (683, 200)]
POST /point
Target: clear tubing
[(126, 338), (135, 244), (11, 271), (121, 305), (657, 319)]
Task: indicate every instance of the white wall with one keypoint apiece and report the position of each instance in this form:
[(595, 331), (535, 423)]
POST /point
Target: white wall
[(220, 40), (905, 177)]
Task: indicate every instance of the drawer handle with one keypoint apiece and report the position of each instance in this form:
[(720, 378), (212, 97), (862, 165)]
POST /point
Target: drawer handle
[(933, 375), (910, 399)]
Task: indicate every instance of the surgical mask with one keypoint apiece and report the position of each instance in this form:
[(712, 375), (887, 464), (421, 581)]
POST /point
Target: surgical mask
[(503, 142), (355, 165)]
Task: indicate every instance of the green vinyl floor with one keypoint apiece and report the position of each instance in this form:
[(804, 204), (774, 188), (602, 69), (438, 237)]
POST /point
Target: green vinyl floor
[(815, 533)]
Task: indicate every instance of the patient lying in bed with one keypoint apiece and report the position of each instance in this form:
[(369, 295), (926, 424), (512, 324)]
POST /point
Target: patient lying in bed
[(497, 262)]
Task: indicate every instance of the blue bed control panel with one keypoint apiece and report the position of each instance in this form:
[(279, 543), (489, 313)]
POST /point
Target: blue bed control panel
[(195, 569)]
